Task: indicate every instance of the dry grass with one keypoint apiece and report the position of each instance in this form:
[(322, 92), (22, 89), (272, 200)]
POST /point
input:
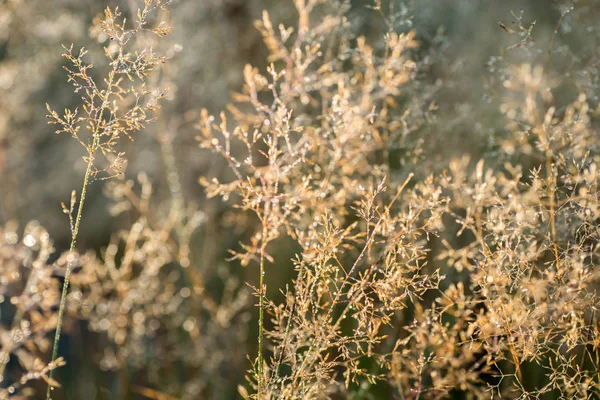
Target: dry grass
[(476, 282)]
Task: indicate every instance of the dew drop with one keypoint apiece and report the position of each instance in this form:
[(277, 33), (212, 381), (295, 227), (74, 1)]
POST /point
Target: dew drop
[(29, 241)]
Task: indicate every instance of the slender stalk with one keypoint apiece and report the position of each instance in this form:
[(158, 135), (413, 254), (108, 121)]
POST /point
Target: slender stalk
[(551, 46), (75, 231), (261, 305), (101, 129), (71, 258), (552, 180), (550, 173)]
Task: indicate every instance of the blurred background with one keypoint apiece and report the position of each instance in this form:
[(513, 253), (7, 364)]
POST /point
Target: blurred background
[(462, 63)]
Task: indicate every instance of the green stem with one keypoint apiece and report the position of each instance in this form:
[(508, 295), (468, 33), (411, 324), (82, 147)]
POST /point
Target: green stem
[(261, 300), (71, 258), (261, 305)]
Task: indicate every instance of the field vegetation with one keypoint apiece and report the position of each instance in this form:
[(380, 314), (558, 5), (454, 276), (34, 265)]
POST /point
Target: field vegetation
[(342, 199)]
